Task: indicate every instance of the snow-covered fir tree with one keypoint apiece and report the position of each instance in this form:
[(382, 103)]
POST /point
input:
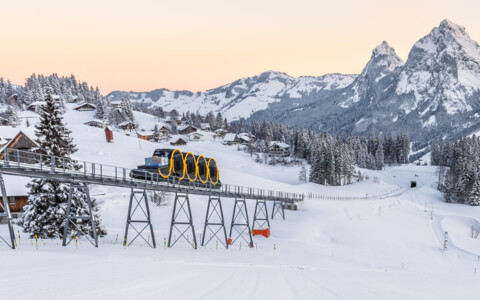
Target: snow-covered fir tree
[(44, 215)]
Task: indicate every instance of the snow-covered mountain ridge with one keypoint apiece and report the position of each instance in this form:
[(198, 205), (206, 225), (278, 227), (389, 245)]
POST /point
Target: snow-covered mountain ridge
[(241, 98), (433, 95)]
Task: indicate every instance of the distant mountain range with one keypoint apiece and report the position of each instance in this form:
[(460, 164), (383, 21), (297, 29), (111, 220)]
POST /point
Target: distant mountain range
[(434, 95)]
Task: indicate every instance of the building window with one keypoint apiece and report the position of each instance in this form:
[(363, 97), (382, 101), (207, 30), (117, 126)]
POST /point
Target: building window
[(11, 200)]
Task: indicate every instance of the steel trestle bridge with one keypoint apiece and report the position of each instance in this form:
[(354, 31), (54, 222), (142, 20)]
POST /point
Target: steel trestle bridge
[(30, 164)]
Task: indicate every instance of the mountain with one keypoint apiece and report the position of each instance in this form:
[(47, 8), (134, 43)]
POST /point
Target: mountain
[(241, 98), (434, 95)]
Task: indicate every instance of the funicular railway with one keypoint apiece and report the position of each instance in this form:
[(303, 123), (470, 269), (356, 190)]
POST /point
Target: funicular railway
[(178, 173)]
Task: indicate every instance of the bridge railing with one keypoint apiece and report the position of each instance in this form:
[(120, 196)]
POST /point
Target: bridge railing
[(104, 172)]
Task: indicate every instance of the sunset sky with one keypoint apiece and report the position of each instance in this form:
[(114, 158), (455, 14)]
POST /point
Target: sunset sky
[(197, 45)]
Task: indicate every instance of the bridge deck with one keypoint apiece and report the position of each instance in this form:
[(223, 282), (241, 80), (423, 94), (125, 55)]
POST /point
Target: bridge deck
[(29, 164)]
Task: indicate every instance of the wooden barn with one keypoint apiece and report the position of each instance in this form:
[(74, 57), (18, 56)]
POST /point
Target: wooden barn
[(85, 107), (20, 142), (109, 134), (179, 142)]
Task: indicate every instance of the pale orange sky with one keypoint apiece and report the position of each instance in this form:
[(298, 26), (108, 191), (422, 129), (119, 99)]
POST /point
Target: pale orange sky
[(197, 45)]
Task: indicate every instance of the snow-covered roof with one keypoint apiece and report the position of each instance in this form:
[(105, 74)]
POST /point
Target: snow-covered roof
[(109, 128), (245, 138), (84, 103), (126, 123), (12, 139), (95, 120), (145, 133), (180, 128), (16, 185), (193, 133), (279, 144), (37, 103), (204, 125), (230, 137)]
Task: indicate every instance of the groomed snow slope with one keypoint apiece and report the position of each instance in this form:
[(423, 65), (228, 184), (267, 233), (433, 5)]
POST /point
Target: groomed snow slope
[(362, 249)]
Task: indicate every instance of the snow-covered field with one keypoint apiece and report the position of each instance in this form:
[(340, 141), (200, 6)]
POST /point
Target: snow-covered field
[(345, 249)]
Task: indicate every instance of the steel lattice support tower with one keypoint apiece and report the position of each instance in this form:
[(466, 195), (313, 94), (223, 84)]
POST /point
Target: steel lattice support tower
[(179, 210), (69, 217), (278, 209), (215, 221), (6, 214), (260, 217), (145, 209), (240, 222)]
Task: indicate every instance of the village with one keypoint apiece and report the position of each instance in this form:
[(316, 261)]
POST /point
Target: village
[(173, 129)]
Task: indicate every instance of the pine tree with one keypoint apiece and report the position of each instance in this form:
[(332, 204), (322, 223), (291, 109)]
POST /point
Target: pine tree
[(302, 175), (474, 198), (156, 134), (379, 157), (218, 121), (47, 199)]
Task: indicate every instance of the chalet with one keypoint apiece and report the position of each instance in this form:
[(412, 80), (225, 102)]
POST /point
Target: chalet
[(179, 142), (230, 139), (187, 129), (278, 149), (3, 122), (116, 103), (221, 132), (195, 136), (145, 135), (246, 138), (17, 194), (35, 106), (96, 123), (205, 126), (20, 142), (127, 125), (164, 129), (85, 107)]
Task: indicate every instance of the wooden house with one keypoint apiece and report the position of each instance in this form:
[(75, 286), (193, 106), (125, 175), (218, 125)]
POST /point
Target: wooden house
[(95, 123), (179, 142), (85, 106), (145, 135), (230, 139), (221, 132), (116, 103), (20, 142), (17, 194), (127, 125), (246, 138), (195, 136), (35, 106), (3, 122), (205, 126), (186, 129), (278, 149)]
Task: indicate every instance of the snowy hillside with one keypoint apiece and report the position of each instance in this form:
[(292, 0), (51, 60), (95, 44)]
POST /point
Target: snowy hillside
[(329, 249)]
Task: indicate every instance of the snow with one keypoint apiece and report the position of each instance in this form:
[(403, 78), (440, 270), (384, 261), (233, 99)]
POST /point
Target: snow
[(329, 249)]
